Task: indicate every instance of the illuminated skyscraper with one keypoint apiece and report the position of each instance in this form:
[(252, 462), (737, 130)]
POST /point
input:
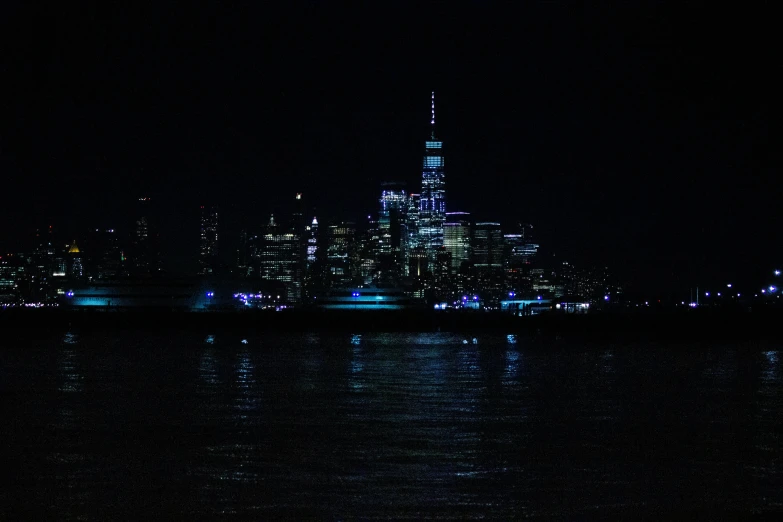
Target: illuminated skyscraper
[(432, 213), (341, 242), (278, 255), (456, 237), (411, 240), (312, 241), (520, 250), (487, 246), (208, 253), (75, 265), (521, 246), (299, 228), (9, 275), (391, 217)]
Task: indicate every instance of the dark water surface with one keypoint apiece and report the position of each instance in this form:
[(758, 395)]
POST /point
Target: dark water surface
[(420, 426)]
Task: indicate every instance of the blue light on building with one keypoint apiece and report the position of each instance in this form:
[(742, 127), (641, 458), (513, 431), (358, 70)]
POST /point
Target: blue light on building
[(365, 299), (432, 202)]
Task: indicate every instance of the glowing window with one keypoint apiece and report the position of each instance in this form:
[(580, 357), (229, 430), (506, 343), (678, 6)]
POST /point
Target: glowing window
[(433, 161)]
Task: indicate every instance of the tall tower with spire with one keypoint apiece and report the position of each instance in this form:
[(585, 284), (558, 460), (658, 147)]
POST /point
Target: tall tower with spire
[(432, 206)]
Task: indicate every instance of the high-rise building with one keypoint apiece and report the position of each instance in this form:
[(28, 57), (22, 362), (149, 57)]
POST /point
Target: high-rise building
[(9, 275), (208, 240), (521, 246), (418, 271), (312, 241), (75, 265), (432, 204), (243, 254), (456, 238), (520, 250), (105, 255), (146, 241), (45, 253), (411, 240), (488, 257), (341, 240), (59, 266), (391, 217), (278, 258), (299, 228), (365, 258), (442, 273), (36, 284), (487, 245)]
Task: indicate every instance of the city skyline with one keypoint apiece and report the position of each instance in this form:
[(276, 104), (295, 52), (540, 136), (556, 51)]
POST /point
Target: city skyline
[(445, 260), (634, 144), (428, 226)]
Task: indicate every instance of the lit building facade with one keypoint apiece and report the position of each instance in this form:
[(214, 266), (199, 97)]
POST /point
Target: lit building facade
[(456, 238), (521, 245), (432, 205), (411, 230), (487, 246), (277, 254), (9, 275), (311, 231), (363, 298), (75, 264), (520, 251), (208, 240), (340, 248), (392, 218)]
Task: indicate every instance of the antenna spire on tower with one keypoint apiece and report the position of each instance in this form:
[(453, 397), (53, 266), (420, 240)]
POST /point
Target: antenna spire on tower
[(432, 119)]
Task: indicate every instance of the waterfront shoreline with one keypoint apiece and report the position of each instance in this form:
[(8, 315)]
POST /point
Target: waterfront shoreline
[(690, 325)]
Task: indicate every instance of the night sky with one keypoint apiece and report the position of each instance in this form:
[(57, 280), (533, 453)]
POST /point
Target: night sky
[(639, 137)]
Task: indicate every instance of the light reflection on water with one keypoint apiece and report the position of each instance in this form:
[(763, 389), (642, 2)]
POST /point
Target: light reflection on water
[(767, 439), (208, 368), (247, 400), (389, 425), (71, 379)]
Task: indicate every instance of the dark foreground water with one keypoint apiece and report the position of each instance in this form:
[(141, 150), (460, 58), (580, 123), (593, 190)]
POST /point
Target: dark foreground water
[(419, 426)]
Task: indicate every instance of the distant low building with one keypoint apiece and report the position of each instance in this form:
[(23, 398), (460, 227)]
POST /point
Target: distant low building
[(185, 294), (364, 299), (526, 306)]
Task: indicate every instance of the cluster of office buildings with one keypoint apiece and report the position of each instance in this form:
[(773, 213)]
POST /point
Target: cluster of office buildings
[(413, 248)]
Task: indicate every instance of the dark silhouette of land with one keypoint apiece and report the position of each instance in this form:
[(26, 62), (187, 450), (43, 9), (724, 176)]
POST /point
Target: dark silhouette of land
[(687, 325)]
